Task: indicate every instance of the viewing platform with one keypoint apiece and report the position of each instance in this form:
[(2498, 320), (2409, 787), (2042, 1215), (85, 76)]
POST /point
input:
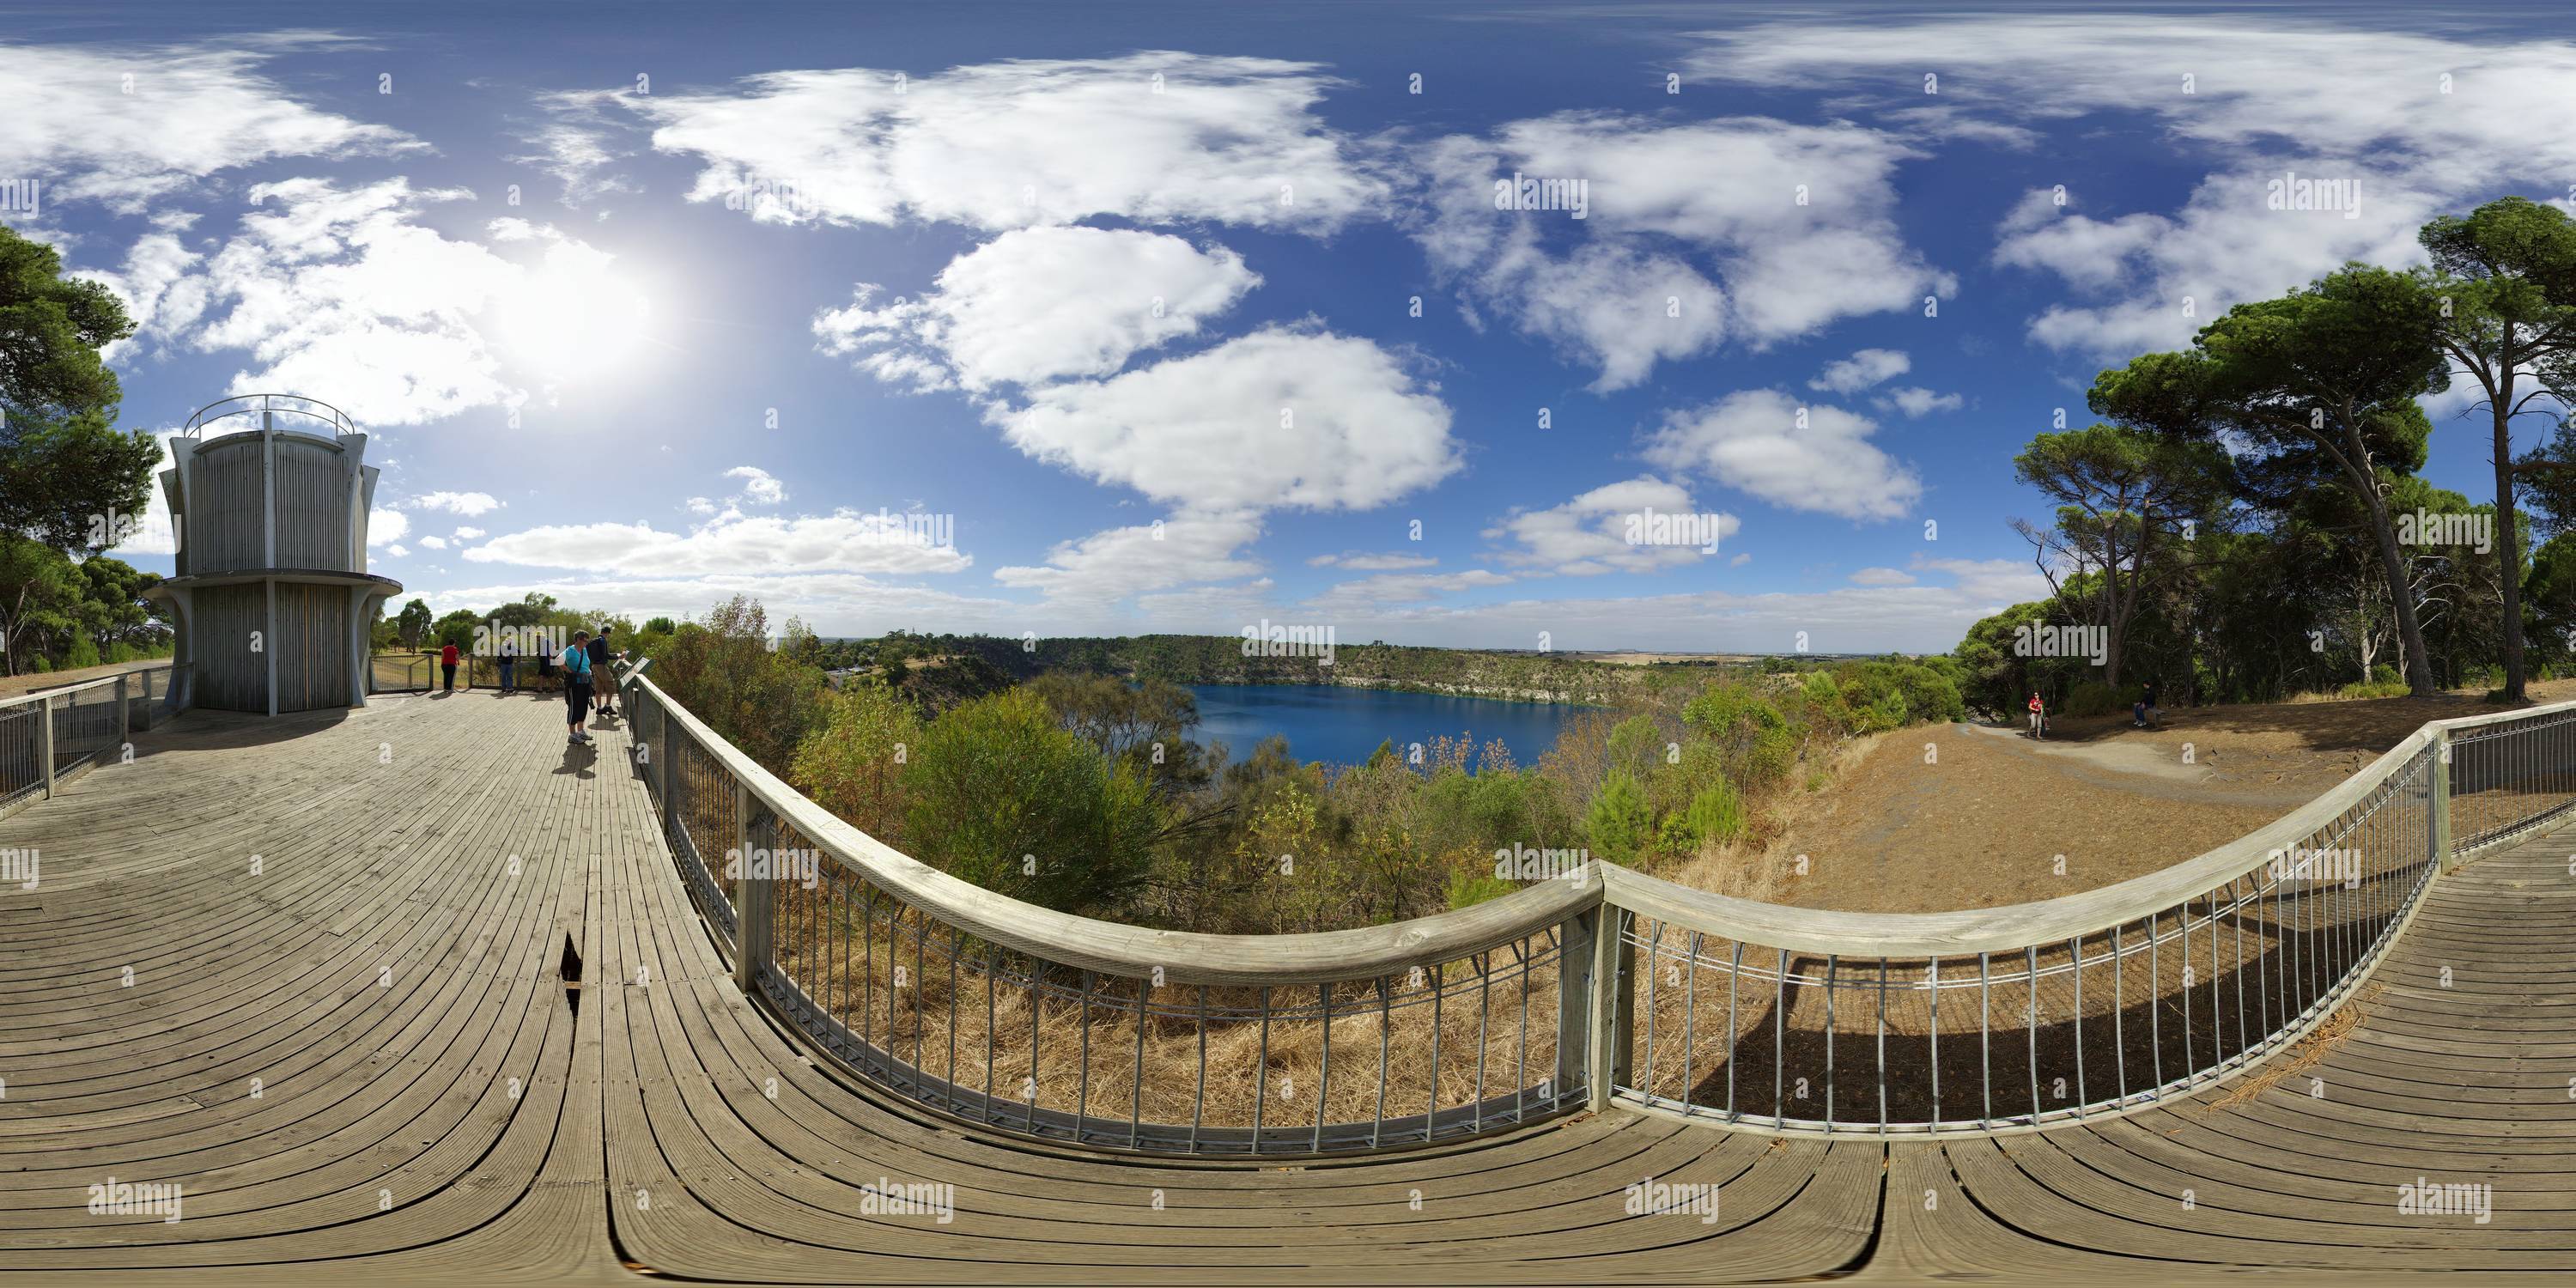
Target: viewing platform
[(413, 991)]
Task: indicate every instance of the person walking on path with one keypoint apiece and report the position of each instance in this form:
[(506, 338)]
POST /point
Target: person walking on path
[(576, 667), (509, 667), (603, 673), (2038, 715), (447, 663)]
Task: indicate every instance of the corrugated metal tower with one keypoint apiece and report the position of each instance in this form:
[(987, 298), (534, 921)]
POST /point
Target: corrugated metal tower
[(269, 498)]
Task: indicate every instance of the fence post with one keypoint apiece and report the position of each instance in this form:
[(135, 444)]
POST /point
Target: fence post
[(2443, 858), (45, 741), (124, 719), (751, 899), (1574, 997), (1613, 1013)]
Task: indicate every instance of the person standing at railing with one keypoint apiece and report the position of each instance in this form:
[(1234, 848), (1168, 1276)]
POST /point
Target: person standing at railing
[(509, 667), (576, 665), (603, 672), (447, 664)]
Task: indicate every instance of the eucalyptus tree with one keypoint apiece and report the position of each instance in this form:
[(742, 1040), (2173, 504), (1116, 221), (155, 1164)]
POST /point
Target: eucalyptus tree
[(2503, 289)]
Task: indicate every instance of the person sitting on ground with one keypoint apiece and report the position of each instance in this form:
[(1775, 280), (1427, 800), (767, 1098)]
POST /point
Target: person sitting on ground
[(2148, 712), (2038, 714), (576, 668)]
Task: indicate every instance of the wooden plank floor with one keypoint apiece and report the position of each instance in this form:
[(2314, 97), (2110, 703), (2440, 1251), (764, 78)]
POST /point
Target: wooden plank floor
[(357, 1055)]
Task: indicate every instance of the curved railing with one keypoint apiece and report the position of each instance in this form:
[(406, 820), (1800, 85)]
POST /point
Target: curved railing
[(49, 737), (1609, 986), (269, 406)]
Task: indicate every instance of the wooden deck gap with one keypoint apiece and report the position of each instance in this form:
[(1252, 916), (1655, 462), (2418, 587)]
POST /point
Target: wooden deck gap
[(569, 971)]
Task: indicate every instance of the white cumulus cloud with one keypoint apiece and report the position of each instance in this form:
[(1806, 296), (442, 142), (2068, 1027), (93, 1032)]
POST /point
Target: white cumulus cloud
[(1039, 304), (1279, 418), (1812, 458)]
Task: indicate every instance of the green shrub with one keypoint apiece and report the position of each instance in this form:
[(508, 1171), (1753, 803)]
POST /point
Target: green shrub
[(1467, 889), (82, 653), (1717, 813), (996, 783), (1619, 820), (2093, 698)]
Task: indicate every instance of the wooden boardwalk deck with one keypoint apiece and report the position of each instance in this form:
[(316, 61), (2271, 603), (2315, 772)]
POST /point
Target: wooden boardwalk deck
[(362, 1061)]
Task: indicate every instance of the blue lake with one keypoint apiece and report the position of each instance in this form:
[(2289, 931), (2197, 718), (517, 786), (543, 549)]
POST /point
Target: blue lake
[(1343, 725)]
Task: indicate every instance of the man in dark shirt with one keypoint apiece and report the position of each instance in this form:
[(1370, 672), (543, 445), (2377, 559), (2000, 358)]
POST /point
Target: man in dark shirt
[(603, 681)]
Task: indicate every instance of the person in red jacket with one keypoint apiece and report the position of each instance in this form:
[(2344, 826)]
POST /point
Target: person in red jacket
[(2038, 714), (447, 663)]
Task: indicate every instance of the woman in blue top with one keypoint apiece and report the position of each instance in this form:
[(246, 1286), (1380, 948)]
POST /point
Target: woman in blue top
[(576, 665)]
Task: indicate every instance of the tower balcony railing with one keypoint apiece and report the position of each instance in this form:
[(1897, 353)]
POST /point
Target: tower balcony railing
[(246, 412)]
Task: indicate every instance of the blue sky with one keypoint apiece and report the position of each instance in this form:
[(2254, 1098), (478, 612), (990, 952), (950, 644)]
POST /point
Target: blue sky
[(645, 307)]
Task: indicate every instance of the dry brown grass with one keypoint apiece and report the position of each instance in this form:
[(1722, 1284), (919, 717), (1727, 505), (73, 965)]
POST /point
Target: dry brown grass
[(993, 1026)]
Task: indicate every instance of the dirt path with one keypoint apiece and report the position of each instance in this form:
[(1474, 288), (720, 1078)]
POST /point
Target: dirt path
[(1948, 817)]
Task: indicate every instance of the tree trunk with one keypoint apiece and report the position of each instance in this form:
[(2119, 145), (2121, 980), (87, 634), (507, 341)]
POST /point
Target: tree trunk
[(2401, 595), (2508, 553)]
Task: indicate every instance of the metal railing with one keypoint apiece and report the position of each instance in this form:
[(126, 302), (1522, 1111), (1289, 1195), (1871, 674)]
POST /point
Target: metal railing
[(49, 738), (1609, 987), (266, 408)]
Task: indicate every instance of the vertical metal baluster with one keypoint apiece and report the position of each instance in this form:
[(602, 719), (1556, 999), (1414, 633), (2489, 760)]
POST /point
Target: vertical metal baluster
[(956, 949), (2236, 913), (1082, 1081), (1734, 1037), (1385, 1007), (2286, 911), (1690, 1018), (992, 963), (920, 983), (1484, 964), (1324, 1075), (1198, 1105), (1520, 1059), (2119, 1003), (1830, 959), (1136, 1106), (2262, 969), (2217, 1030), (2190, 1067), (1654, 959), (2031, 982), (2156, 1003), (1261, 1085), (1882, 1046), (1431, 1116), (1932, 990), (1986, 1035), (2075, 949), (1780, 1037), (868, 947), (1035, 992)]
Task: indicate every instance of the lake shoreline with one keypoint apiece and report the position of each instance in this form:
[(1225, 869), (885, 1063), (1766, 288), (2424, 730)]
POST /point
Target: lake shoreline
[(1346, 723)]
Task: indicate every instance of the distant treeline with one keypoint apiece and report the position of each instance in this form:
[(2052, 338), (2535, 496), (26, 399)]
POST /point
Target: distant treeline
[(1222, 659)]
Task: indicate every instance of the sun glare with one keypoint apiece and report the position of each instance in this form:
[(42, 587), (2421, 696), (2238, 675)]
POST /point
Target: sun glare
[(577, 315)]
